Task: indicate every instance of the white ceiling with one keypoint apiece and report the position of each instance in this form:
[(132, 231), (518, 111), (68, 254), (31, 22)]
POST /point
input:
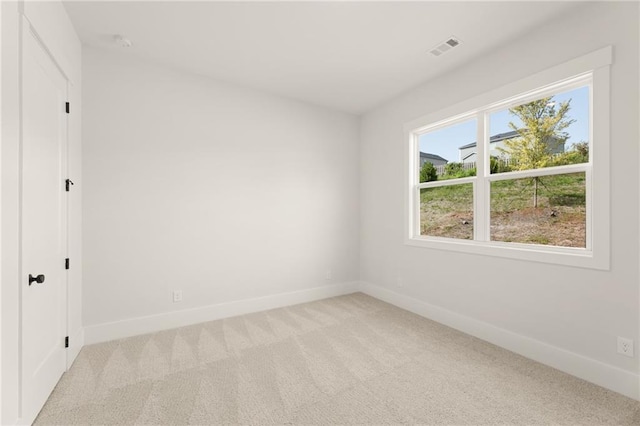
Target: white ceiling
[(350, 56)]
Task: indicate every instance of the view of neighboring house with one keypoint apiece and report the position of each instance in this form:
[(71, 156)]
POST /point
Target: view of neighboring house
[(468, 152), (434, 159)]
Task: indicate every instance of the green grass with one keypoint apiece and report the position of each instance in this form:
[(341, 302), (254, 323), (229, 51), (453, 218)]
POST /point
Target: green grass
[(553, 191)]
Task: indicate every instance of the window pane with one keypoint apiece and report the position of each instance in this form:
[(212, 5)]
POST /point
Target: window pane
[(547, 132), (447, 211), (549, 210), (440, 154)]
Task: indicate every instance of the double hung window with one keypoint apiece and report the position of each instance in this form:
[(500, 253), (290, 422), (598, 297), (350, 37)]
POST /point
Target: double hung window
[(522, 173)]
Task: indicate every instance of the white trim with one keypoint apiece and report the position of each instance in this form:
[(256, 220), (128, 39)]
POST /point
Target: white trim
[(481, 200), (447, 182), (594, 371), (591, 370), (547, 171), (600, 194), (591, 61), (558, 87), (149, 324)]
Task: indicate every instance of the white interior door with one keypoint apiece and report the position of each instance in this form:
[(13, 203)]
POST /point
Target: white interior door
[(43, 304)]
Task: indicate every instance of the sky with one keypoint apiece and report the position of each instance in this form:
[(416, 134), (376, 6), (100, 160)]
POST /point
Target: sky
[(445, 142)]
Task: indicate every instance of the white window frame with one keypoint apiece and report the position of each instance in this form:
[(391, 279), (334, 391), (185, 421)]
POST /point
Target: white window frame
[(593, 70)]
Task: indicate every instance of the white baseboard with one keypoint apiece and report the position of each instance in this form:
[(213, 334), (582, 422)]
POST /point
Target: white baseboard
[(602, 374), (149, 324), (591, 370)]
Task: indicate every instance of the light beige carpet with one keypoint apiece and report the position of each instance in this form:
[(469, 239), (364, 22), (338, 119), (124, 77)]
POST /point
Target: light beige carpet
[(345, 360)]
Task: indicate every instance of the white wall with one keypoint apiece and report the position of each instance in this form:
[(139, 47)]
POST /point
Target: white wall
[(568, 309), (50, 21), (225, 193)]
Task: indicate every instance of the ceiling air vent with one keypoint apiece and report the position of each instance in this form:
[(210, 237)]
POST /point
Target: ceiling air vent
[(445, 46)]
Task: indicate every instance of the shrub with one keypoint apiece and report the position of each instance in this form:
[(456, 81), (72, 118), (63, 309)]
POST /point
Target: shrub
[(498, 165), (428, 172), (579, 154), (452, 169), (456, 170)]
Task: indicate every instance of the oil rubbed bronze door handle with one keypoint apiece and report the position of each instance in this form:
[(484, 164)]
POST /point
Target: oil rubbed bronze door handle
[(39, 279)]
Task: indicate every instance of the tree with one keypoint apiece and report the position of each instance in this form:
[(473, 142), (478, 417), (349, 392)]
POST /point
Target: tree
[(428, 172), (542, 131)]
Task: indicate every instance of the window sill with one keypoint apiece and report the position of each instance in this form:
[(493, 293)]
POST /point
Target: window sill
[(566, 256)]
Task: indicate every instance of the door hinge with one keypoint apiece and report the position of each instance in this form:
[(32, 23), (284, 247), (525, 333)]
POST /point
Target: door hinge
[(66, 342), (68, 184), (66, 107), (66, 263)]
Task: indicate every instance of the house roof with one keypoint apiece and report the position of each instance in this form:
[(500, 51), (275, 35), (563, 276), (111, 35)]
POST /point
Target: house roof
[(471, 154), (432, 156), (495, 138)]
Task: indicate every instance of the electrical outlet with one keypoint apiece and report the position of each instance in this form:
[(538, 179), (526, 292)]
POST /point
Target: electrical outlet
[(328, 275), (177, 296), (399, 282), (625, 346)]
